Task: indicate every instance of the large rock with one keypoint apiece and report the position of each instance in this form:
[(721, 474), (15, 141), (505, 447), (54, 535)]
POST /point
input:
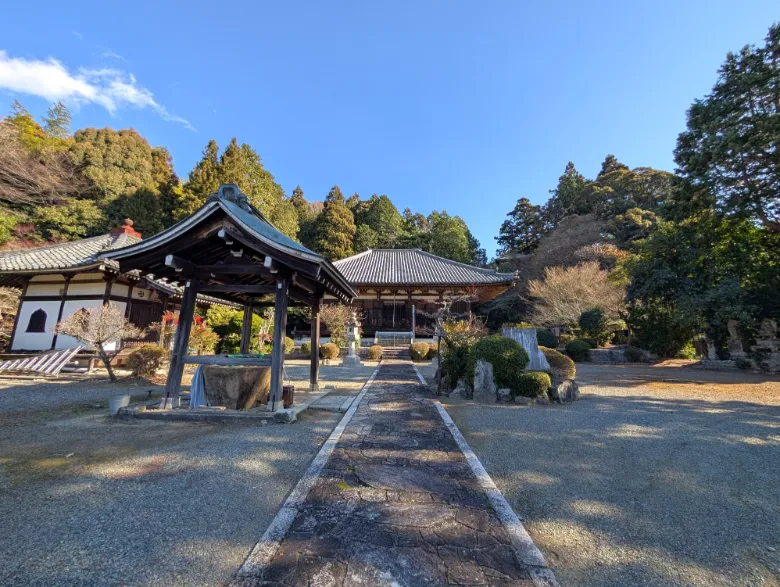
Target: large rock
[(237, 388), (462, 389), (565, 391), (484, 385), (504, 395), (527, 339)]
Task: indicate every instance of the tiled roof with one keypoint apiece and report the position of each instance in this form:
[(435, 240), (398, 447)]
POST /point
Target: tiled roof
[(413, 267), (63, 256)]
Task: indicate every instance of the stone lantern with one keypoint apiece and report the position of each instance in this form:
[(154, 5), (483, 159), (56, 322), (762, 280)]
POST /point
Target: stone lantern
[(353, 335)]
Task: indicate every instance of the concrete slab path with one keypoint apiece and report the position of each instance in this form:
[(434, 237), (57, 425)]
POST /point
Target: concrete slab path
[(396, 504)]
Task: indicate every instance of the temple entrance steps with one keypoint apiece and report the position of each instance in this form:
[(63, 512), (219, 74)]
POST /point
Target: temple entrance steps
[(395, 352)]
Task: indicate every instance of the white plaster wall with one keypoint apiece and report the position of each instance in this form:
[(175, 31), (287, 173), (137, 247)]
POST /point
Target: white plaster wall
[(86, 289), (87, 276), (72, 306), (45, 289), (48, 277), (120, 289), (35, 340)]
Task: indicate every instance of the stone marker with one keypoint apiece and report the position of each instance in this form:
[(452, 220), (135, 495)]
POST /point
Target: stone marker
[(504, 395), (462, 390), (285, 416), (352, 359), (484, 385)]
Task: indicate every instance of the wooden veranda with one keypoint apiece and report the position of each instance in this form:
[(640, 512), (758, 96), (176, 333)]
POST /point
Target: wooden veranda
[(228, 250)]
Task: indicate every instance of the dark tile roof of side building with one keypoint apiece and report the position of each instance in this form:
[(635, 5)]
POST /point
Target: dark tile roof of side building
[(74, 255), (414, 267)]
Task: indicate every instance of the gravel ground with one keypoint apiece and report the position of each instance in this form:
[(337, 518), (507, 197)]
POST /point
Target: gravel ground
[(183, 512), (88, 500), (644, 481)]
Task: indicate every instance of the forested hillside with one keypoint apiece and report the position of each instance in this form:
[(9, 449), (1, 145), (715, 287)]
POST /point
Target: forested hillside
[(56, 185)]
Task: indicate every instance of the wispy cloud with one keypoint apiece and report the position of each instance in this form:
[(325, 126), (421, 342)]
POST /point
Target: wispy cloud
[(77, 34), (110, 88), (111, 55)]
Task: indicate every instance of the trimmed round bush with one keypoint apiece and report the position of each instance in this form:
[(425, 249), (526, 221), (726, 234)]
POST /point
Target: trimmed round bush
[(532, 384), (306, 348), (507, 356), (578, 350), (145, 360), (433, 350), (561, 366), (289, 345), (633, 354), (375, 352), (329, 350), (546, 338), (419, 351)]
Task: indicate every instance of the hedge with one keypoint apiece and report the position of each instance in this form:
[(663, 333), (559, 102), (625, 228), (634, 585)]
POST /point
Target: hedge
[(329, 350), (419, 351), (433, 350), (561, 366), (145, 360), (633, 354), (546, 338), (507, 356), (375, 352), (532, 384), (578, 350), (289, 345), (306, 348)]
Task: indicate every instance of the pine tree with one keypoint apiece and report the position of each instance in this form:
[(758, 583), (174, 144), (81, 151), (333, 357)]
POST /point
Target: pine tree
[(203, 181), (523, 228)]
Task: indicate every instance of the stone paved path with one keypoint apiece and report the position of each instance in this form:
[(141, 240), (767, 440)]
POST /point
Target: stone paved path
[(397, 505)]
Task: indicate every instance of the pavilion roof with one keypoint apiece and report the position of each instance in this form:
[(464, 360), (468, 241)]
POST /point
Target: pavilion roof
[(228, 236), (403, 267)]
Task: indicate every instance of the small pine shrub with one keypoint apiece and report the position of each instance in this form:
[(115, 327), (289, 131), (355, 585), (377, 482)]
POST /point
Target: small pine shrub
[(633, 354), (433, 351), (289, 345), (507, 356), (595, 325), (547, 339), (455, 361), (561, 366), (306, 348), (375, 352), (532, 384), (329, 350), (419, 351), (145, 360), (578, 350)]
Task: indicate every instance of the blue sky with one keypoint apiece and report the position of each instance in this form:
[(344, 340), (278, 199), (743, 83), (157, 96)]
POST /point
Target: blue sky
[(463, 106)]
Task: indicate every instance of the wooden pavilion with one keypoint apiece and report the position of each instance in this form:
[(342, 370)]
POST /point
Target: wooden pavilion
[(228, 250)]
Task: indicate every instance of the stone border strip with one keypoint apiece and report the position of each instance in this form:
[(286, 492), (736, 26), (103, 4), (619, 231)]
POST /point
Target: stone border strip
[(262, 552), (527, 552)]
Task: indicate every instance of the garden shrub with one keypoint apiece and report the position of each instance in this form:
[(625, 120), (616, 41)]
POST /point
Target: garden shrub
[(375, 352), (329, 350), (547, 339), (561, 366), (565, 338), (578, 350), (289, 345), (433, 350), (518, 325), (145, 360), (455, 362), (633, 354), (507, 356), (419, 351), (306, 348), (744, 364), (687, 352), (595, 325), (532, 384)]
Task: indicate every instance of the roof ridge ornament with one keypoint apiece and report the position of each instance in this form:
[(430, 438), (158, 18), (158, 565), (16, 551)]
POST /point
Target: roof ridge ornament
[(231, 193)]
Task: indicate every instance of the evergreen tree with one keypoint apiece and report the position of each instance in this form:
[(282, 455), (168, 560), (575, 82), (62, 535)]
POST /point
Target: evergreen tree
[(523, 228), (365, 238), (385, 220), (299, 202), (335, 227), (203, 181), (57, 121)]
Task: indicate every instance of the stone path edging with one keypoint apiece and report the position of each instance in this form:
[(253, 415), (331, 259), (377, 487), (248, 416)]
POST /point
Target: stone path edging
[(262, 553), (522, 542)]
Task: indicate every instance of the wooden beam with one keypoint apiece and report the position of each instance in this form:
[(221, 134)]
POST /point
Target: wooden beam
[(314, 376), (246, 329), (277, 357), (179, 265), (237, 288), (62, 307), (176, 367), (224, 269)]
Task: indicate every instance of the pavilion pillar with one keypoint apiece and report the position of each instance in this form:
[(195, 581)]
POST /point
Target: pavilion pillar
[(181, 342), (246, 329), (277, 357), (314, 378)]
